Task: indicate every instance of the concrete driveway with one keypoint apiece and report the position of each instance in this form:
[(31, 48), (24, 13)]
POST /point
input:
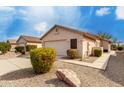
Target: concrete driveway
[(12, 64)]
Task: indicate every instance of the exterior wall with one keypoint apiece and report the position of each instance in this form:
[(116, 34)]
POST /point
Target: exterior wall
[(88, 45), (12, 47), (63, 34), (37, 44), (22, 42), (98, 43)]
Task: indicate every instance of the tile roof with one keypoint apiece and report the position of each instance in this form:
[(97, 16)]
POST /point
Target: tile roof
[(86, 34), (30, 39), (73, 30), (12, 41)]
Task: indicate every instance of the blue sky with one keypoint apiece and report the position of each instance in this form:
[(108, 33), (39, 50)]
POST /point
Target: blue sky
[(35, 21)]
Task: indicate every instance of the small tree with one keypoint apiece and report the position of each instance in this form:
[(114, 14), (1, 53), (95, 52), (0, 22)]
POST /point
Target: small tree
[(8, 45)]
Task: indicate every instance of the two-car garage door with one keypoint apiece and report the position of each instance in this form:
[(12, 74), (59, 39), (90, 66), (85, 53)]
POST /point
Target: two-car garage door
[(61, 46)]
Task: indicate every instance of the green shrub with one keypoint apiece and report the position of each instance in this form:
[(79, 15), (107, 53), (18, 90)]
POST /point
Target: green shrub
[(8, 46), (120, 48), (114, 47), (4, 47), (42, 59), (30, 47), (19, 49), (97, 52), (72, 53)]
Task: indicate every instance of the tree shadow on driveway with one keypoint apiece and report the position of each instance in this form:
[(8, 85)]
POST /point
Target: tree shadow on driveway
[(115, 69), (18, 74)]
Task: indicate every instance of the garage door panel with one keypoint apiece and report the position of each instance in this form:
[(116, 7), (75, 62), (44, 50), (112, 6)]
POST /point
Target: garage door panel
[(60, 46)]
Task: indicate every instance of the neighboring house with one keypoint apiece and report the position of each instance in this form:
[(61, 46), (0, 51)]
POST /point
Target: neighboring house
[(13, 44), (106, 44), (29, 40), (62, 38)]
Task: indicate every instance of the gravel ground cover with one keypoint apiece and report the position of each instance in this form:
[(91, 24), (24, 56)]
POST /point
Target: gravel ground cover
[(90, 59), (113, 76)]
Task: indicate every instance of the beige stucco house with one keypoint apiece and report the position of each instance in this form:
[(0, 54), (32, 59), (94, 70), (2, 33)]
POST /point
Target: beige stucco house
[(106, 44), (29, 40), (13, 44), (62, 38)]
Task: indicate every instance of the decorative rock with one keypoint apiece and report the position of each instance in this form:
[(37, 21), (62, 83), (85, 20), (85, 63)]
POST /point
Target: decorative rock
[(69, 77)]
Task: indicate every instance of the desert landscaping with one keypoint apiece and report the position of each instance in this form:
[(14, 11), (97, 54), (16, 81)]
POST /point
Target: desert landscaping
[(24, 76)]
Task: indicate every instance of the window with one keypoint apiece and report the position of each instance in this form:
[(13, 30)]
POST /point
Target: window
[(73, 43)]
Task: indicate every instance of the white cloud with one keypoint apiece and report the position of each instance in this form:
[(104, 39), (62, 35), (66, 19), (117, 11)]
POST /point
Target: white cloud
[(69, 15), (103, 11), (36, 16), (6, 16), (40, 19), (40, 27), (23, 12), (51, 15), (7, 9), (40, 13), (120, 13)]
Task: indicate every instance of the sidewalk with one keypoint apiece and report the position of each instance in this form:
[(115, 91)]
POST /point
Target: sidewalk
[(100, 63)]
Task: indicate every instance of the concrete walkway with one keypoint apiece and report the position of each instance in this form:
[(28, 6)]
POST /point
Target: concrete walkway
[(100, 63), (9, 65)]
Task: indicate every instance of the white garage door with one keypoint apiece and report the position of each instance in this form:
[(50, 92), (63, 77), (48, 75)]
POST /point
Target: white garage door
[(60, 46)]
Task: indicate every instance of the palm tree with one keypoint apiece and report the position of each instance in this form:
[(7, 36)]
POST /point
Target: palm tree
[(105, 35)]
